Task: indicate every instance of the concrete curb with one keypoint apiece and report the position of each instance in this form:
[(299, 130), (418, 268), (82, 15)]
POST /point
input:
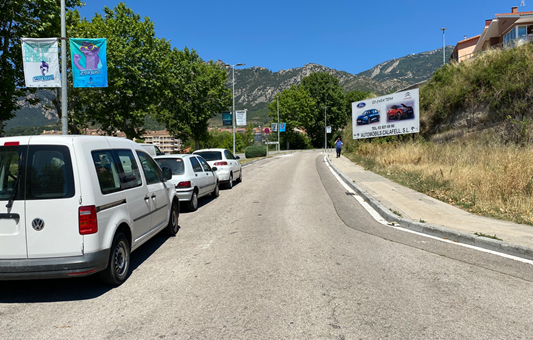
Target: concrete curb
[(437, 231)]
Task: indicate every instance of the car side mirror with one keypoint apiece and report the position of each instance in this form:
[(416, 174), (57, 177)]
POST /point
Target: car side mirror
[(214, 168), (167, 173), (237, 157)]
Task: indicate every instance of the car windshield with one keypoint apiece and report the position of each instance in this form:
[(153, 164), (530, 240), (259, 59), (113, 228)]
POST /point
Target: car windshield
[(174, 164), (210, 155)]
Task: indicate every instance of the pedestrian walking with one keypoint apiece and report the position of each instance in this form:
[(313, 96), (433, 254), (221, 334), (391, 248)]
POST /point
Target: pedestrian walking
[(338, 144)]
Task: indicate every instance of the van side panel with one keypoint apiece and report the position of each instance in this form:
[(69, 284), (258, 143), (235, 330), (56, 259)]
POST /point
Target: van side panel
[(52, 166)]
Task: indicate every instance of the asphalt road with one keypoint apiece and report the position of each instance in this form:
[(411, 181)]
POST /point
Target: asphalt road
[(286, 254)]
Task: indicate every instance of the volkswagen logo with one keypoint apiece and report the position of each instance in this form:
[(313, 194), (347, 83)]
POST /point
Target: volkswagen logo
[(37, 224), (361, 105)]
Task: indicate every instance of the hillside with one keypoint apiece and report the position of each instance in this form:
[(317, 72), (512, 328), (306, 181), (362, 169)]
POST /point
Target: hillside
[(256, 86)]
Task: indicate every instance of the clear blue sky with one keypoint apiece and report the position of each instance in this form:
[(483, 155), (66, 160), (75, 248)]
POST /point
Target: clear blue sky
[(350, 36)]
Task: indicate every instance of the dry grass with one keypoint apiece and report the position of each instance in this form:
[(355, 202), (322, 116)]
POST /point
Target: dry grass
[(488, 179)]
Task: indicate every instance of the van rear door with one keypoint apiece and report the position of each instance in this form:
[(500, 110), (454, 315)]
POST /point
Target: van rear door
[(12, 217), (52, 208)]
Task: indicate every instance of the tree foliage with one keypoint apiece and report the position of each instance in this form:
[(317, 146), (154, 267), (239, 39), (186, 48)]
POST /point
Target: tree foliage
[(304, 106), (329, 99), (23, 19), (195, 91), (136, 66)]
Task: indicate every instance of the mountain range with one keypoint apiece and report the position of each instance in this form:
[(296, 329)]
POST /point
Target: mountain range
[(255, 87)]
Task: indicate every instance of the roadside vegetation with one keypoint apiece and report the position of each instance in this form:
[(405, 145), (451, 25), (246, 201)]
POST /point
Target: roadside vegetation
[(485, 165)]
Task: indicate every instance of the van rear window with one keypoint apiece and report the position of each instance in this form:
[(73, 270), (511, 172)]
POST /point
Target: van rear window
[(45, 172)]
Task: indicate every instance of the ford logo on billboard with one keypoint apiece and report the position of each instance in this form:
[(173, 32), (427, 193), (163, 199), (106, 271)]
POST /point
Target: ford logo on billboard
[(361, 105)]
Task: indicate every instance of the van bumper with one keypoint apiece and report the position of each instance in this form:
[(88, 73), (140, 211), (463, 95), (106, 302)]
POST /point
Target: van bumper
[(56, 267)]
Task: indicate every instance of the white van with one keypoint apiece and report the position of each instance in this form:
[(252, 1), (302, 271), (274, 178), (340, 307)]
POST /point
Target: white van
[(73, 206), (152, 149)]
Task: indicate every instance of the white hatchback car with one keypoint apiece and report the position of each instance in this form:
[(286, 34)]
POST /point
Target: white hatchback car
[(192, 176), (228, 166)]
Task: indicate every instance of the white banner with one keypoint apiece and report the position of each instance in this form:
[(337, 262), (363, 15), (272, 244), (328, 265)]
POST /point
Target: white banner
[(393, 114), (41, 62), (240, 117)]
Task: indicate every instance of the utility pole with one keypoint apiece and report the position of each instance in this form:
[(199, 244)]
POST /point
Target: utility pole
[(64, 99)]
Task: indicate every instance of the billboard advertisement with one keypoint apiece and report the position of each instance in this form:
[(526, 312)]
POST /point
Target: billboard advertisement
[(393, 114), (41, 62)]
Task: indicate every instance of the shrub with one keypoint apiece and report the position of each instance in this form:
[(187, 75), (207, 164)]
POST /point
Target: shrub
[(255, 151)]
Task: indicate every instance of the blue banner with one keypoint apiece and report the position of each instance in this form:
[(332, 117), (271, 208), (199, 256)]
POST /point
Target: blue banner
[(89, 62), (282, 127), (227, 118)]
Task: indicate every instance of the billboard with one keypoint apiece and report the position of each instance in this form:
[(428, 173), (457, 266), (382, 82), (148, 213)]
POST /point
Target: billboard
[(41, 62), (393, 114)]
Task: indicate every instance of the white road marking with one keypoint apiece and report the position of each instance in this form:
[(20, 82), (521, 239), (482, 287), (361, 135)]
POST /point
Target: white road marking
[(381, 220)]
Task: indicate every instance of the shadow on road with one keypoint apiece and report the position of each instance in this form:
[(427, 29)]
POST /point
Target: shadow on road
[(83, 288)]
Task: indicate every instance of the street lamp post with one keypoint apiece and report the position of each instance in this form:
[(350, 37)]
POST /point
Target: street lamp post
[(233, 113), (443, 46), (325, 131), (279, 142)]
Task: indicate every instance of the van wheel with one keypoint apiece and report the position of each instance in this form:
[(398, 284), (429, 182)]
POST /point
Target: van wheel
[(119, 261), (173, 226), (193, 203)]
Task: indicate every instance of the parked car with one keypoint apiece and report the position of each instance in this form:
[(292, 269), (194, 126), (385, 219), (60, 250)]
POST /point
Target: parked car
[(152, 149), (73, 206), (192, 177), (400, 112), (369, 116), (228, 166)]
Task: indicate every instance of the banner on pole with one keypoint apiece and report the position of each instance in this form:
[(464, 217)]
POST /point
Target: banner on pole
[(227, 118), (41, 62), (89, 62), (282, 127), (274, 127), (240, 117)]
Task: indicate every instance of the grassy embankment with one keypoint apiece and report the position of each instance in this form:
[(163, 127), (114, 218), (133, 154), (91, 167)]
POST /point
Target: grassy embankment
[(485, 167)]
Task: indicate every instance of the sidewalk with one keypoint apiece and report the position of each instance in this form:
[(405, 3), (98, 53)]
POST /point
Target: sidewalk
[(425, 214)]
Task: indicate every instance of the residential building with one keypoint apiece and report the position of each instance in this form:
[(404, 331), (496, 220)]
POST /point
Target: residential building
[(504, 30), (166, 143)]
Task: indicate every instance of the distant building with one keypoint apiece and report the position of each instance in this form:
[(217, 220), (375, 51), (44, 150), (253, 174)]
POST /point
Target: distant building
[(166, 143)]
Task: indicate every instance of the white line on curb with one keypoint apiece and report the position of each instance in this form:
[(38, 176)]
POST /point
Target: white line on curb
[(381, 220)]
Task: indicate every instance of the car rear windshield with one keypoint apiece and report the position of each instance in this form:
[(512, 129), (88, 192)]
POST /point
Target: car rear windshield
[(210, 155), (174, 164), (37, 172)]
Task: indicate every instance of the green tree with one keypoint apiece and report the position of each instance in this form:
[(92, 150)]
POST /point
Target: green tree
[(195, 91), (296, 109), (136, 64), (329, 99), (23, 19)]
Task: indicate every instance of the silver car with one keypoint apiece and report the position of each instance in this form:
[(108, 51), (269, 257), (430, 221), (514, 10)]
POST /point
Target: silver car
[(192, 176), (228, 166)]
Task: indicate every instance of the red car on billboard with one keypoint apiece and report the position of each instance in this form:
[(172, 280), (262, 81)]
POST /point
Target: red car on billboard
[(400, 112)]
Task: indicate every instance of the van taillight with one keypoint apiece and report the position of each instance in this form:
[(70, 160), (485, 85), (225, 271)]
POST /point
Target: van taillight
[(88, 221), (11, 143)]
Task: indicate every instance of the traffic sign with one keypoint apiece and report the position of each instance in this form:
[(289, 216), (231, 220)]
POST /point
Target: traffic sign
[(267, 130)]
